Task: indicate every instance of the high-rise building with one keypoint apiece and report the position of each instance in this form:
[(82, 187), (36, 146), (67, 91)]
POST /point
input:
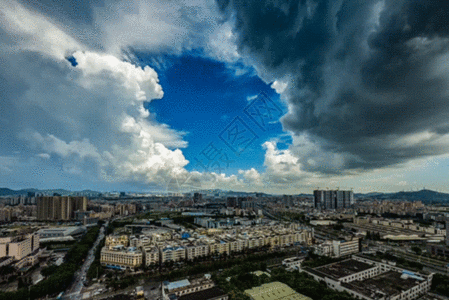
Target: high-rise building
[(60, 208), (333, 199), (197, 198), (231, 202), (447, 232)]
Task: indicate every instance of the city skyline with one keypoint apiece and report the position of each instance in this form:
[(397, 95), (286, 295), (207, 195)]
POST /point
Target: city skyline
[(270, 97)]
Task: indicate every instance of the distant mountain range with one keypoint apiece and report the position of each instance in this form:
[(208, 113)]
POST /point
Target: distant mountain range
[(62, 192), (426, 196)]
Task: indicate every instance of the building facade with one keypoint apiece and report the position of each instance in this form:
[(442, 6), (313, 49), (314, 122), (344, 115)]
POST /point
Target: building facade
[(19, 247), (59, 208), (126, 258), (333, 199)]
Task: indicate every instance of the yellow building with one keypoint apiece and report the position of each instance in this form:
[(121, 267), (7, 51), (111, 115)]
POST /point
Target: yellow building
[(120, 256), (116, 240), (151, 255), (19, 247), (195, 250), (172, 253)]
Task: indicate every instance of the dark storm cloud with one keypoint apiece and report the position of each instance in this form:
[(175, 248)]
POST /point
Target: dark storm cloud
[(368, 80)]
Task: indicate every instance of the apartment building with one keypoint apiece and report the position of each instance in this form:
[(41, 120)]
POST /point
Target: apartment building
[(116, 240), (59, 208), (6, 214), (195, 250), (346, 247), (19, 247), (151, 255), (333, 199), (121, 257), (447, 232), (338, 248), (176, 247), (173, 253)]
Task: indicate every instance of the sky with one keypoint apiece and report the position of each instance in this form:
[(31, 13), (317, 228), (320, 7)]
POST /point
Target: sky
[(273, 96)]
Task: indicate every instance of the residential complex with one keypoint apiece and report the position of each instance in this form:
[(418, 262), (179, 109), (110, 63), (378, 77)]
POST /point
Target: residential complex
[(121, 257), (157, 246), (59, 208), (333, 199)]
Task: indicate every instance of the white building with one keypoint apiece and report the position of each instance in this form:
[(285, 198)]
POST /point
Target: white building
[(368, 279)]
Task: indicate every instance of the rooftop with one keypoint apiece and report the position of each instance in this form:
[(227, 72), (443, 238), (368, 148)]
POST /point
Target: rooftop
[(343, 268), (204, 295), (178, 284), (388, 284), (274, 291)]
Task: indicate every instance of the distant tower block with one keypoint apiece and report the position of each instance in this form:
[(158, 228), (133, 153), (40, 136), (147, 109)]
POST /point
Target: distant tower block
[(333, 199), (447, 231)]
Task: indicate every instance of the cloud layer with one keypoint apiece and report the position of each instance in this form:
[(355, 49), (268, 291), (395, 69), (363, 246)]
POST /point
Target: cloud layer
[(366, 82)]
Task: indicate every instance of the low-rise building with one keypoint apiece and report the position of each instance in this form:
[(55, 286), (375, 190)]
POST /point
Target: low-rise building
[(186, 287), (343, 248), (293, 262), (195, 250), (121, 257), (173, 253), (210, 294), (371, 280), (20, 246), (151, 255), (53, 232)]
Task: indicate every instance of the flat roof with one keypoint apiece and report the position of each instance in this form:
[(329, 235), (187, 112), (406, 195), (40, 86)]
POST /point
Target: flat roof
[(204, 294), (274, 291), (178, 284), (389, 284), (342, 269)]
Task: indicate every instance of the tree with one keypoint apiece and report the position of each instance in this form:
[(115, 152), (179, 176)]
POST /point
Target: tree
[(417, 250)]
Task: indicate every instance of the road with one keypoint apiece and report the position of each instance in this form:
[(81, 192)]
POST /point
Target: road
[(74, 292)]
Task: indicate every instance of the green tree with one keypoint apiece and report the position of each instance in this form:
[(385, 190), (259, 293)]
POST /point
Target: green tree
[(417, 250)]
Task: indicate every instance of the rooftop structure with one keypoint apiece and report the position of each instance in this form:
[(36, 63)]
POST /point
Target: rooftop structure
[(342, 269), (60, 231), (186, 287), (368, 279), (384, 286), (209, 294), (178, 284), (274, 291)]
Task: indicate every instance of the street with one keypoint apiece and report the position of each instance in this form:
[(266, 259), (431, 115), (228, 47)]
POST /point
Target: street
[(80, 276)]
